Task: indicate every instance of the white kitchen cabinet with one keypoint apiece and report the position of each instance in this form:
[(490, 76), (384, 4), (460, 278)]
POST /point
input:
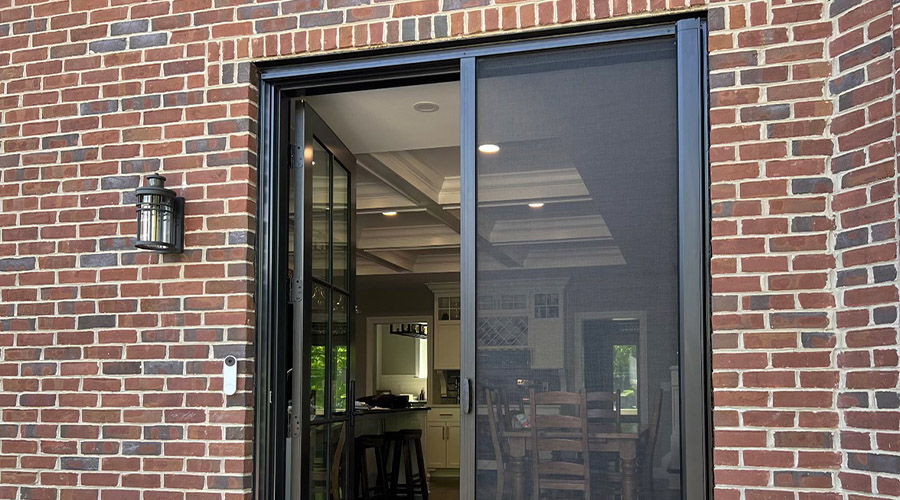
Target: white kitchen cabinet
[(446, 325), (525, 315), (453, 444), (446, 345), (442, 438), (435, 445)]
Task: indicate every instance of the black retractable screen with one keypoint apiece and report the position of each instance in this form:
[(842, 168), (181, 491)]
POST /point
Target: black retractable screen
[(577, 281)]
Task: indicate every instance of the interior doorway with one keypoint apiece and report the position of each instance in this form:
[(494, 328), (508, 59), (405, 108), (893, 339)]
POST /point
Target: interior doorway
[(377, 243)]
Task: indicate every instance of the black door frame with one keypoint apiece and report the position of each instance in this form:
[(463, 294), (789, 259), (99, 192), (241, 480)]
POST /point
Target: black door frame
[(278, 83)]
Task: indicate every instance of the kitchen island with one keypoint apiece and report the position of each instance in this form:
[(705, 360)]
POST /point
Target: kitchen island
[(381, 420), (387, 411)]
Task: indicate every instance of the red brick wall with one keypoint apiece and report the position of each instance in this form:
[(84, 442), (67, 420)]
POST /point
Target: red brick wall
[(865, 214), (110, 357), (805, 250), (773, 265)]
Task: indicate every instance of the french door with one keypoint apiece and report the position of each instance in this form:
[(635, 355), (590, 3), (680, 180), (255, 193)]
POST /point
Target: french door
[(583, 229), (323, 282)]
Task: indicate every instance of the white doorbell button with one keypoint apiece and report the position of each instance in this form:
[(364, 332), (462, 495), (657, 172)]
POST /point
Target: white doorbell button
[(229, 372)]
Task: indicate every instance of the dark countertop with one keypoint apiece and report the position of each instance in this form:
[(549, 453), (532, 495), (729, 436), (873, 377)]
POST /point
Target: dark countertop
[(365, 413)]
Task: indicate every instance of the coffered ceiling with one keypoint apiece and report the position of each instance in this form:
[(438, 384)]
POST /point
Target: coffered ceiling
[(408, 165)]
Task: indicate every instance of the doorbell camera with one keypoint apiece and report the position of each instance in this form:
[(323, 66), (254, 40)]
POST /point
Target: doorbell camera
[(229, 374)]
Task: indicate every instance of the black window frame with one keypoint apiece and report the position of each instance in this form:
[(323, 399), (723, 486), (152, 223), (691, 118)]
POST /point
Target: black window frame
[(278, 82)]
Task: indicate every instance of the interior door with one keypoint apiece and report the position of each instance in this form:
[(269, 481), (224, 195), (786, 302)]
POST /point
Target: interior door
[(323, 306)]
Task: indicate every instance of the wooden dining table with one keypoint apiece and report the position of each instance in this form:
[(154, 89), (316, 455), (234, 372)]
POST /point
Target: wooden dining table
[(623, 443)]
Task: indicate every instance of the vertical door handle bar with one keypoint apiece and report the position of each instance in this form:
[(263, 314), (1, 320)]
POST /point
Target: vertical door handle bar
[(465, 401), (351, 403)]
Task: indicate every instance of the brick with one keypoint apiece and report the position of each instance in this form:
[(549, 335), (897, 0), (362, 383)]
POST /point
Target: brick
[(764, 75), (870, 296), (871, 337), (110, 45), (273, 25), (803, 439), (17, 264), (183, 67), (147, 41), (320, 19), (733, 60), (803, 479), (129, 27), (865, 53), (79, 463), (765, 113), (99, 107)]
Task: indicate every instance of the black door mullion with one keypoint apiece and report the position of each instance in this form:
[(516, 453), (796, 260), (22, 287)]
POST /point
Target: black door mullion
[(300, 424)]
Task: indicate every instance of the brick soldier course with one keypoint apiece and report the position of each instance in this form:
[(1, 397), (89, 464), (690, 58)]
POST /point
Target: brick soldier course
[(110, 359)]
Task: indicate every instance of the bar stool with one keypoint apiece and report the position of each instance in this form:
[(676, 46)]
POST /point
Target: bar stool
[(405, 442), (377, 443)]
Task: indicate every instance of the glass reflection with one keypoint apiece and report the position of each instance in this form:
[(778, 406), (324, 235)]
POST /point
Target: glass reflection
[(337, 452), (317, 352), (321, 213), (341, 234), (340, 337), (318, 462)]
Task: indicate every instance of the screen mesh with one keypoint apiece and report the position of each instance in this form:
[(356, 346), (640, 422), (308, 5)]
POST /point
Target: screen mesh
[(577, 256)]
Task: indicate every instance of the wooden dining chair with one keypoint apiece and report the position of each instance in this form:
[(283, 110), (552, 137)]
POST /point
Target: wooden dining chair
[(336, 493), (497, 428), (646, 447), (507, 408), (560, 455), (319, 476), (604, 410)]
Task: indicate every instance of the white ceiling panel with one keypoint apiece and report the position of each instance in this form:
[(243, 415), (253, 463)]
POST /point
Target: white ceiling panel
[(375, 121)]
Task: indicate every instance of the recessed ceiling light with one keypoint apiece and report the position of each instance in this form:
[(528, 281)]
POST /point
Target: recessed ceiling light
[(426, 106), (536, 204), (389, 214), (489, 148)]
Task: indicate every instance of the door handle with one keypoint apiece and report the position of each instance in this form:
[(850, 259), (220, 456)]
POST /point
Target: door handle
[(465, 400), (351, 403)]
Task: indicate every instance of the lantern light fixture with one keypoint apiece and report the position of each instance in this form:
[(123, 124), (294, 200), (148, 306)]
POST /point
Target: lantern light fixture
[(160, 217)]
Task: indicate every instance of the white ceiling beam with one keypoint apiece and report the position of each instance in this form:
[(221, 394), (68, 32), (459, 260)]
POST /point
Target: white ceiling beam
[(408, 189), (407, 238), (386, 263)]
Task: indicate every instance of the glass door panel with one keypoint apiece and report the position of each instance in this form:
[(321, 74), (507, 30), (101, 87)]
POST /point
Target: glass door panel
[(577, 277), (318, 462), (340, 344), (324, 214), (341, 234), (321, 211), (318, 361)]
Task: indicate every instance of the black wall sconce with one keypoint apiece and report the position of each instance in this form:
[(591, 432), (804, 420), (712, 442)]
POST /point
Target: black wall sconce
[(160, 217)]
